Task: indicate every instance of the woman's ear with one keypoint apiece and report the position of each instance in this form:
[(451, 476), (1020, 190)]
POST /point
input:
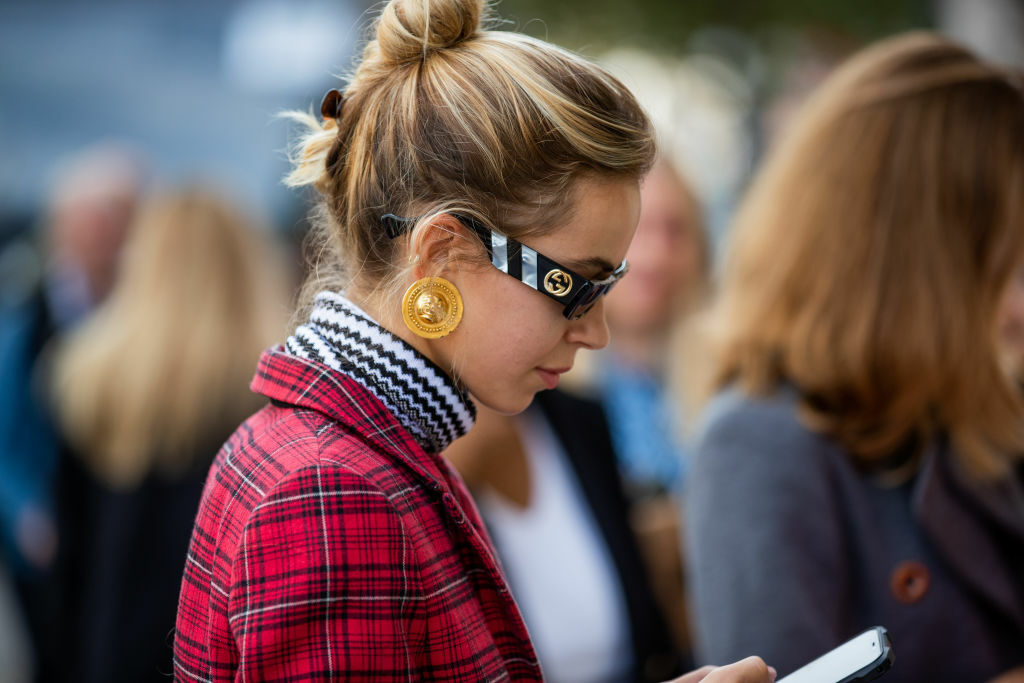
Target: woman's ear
[(438, 243)]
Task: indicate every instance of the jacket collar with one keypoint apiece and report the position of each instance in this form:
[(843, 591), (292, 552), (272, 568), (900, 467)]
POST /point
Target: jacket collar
[(308, 384), (305, 383)]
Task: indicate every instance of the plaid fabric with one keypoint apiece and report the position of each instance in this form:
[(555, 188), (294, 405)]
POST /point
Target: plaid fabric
[(329, 545)]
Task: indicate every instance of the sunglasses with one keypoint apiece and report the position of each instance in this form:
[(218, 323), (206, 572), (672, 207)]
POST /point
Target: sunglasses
[(576, 293)]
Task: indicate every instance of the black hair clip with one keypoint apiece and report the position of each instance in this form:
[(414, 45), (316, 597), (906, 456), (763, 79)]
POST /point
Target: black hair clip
[(332, 104)]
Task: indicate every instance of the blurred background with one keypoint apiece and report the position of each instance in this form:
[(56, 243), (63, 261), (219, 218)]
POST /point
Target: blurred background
[(194, 86)]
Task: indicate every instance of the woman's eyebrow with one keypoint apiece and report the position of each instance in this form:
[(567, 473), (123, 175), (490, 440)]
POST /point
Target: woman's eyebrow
[(594, 264)]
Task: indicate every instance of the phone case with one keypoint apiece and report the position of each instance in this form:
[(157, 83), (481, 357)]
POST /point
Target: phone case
[(884, 662), (834, 666)]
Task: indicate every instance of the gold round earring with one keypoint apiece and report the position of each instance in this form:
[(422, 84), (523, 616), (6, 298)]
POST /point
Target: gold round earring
[(432, 307)]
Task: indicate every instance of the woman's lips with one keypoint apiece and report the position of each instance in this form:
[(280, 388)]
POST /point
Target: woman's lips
[(550, 376)]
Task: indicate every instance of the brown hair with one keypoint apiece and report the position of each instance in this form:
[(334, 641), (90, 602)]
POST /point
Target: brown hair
[(442, 115), (870, 256), (163, 367)]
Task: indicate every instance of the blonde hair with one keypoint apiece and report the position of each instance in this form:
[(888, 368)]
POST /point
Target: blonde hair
[(694, 211), (443, 115), (869, 258), (163, 367)]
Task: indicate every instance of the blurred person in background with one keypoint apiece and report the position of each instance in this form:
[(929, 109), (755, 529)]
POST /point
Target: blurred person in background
[(669, 263), (92, 202), (548, 488), (643, 378), (145, 392), (861, 463)]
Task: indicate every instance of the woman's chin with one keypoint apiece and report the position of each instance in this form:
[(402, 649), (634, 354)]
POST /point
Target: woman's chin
[(505, 404)]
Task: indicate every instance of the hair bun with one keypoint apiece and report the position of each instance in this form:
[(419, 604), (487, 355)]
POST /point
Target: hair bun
[(409, 30)]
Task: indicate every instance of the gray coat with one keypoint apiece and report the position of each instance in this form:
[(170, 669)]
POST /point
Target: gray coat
[(791, 551)]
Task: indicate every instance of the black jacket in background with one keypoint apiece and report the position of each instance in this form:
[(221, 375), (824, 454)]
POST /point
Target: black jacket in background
[(105, 613), (582, 428)]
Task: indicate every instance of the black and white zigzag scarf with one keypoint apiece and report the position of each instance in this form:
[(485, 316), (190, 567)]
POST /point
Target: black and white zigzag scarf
[(421, 395)]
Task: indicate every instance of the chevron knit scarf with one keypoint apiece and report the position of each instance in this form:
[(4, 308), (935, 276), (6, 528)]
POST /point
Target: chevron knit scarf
[(419, 394)]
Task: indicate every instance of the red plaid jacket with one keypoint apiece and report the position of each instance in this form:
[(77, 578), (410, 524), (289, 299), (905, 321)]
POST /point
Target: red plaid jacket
[(329, 545)]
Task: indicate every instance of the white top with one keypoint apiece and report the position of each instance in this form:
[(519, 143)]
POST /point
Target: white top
[(560, 568)]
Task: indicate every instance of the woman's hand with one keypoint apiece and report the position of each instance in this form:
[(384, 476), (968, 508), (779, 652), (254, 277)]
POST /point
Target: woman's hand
[(1014, 676), (749, 670)]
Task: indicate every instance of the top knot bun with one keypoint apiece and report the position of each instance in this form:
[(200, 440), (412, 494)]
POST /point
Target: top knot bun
[(409, 30)]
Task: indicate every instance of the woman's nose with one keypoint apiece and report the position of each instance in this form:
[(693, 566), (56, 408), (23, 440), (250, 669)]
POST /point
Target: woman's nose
[(591, 331)]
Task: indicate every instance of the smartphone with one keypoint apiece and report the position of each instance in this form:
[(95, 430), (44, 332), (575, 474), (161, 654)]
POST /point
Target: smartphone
[(864, 657)]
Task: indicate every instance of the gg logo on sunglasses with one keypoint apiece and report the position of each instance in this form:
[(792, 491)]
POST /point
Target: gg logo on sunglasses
[(558, 282), (519, 261)]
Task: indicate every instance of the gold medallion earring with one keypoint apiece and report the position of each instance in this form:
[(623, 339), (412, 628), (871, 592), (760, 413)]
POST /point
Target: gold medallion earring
[(432, 307)]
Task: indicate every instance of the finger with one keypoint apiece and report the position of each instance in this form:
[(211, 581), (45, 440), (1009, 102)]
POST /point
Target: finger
[(749, 670), (1014, 676), (694, 676)]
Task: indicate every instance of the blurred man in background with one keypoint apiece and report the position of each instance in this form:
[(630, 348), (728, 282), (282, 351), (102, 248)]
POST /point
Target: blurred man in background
[(91, 204)]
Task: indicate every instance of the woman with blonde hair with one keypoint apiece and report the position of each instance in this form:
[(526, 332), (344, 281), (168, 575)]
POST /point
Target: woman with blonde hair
[(478, 192), (866, 442), (145, 392), (670, 263), (162, 368)]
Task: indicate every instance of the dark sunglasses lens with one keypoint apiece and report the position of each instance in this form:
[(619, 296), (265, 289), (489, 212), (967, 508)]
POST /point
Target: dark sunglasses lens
[(586, 302)]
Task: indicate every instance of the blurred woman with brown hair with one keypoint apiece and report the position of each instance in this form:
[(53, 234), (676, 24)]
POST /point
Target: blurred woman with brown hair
[(866, 444), (146, 391)]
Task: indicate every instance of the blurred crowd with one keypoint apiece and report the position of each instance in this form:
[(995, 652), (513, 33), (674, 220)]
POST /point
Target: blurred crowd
[(126, 356), (809, 420)]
